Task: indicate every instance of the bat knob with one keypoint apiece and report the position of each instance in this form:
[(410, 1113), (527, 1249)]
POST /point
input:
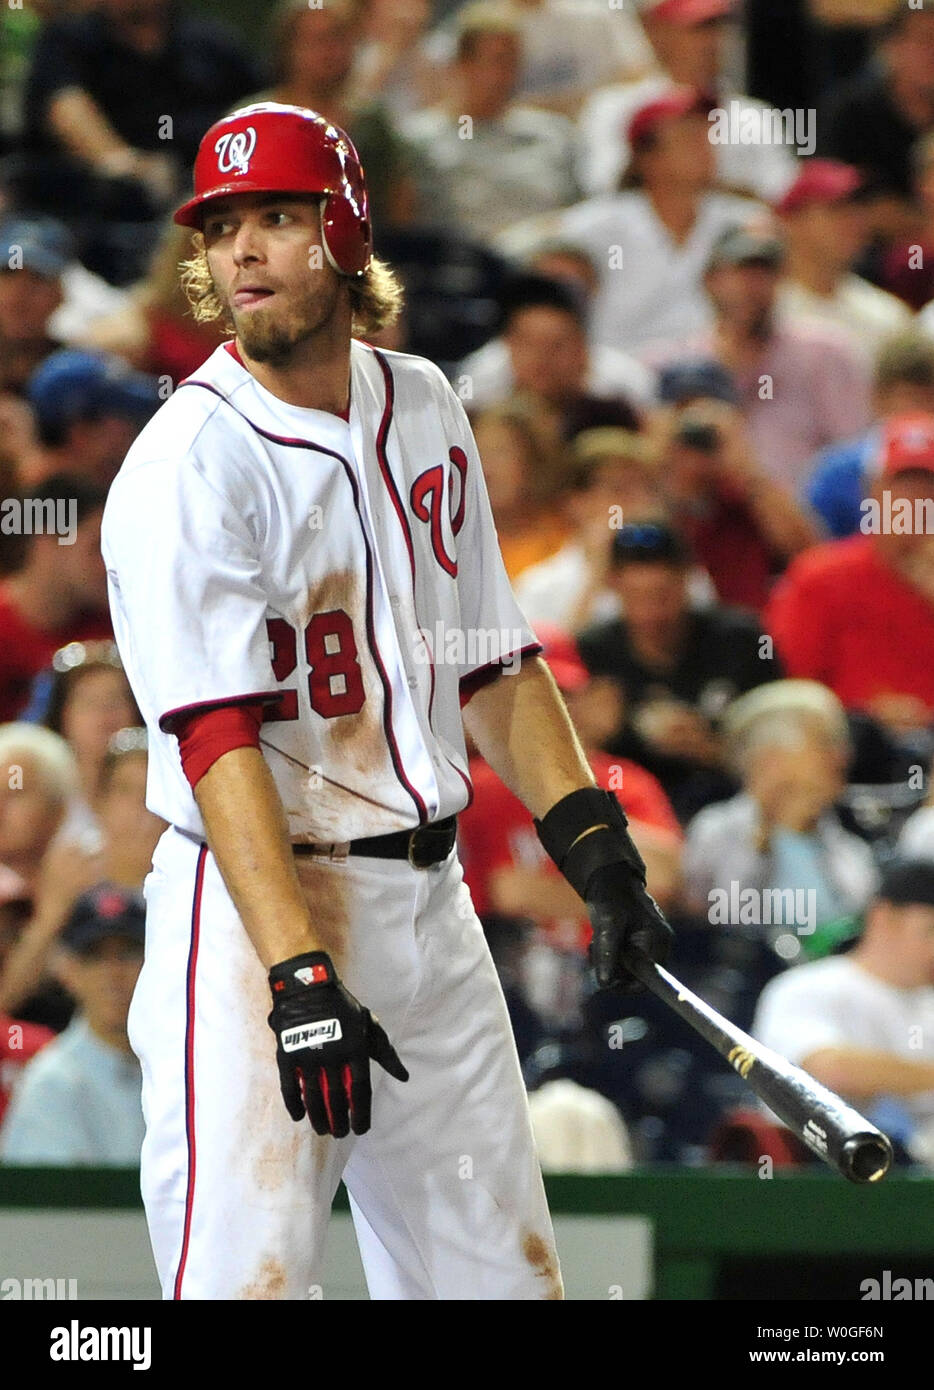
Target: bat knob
[(866, 1157)]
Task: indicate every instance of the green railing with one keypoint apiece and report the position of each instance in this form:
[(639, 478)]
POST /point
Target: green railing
[(701, 1219)]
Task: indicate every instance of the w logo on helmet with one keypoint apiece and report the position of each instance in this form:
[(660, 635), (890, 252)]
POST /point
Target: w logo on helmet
[(235, 150)]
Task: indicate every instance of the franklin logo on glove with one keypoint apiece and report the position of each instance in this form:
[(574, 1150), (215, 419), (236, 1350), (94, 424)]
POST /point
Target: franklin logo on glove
[(294, 1038)]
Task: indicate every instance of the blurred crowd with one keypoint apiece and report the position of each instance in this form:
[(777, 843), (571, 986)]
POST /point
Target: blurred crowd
[(677, 259)]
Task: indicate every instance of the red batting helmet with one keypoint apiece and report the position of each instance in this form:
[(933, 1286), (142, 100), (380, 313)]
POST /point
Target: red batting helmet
[(271, 148)]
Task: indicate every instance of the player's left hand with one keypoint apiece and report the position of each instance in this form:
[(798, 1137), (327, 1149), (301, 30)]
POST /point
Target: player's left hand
[(326, 1040), (624, 917)]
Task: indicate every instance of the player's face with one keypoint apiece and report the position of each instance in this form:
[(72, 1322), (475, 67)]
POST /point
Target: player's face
[(271, 273)]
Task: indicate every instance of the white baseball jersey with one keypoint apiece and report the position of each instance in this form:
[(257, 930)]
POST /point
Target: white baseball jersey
[(347, 574)]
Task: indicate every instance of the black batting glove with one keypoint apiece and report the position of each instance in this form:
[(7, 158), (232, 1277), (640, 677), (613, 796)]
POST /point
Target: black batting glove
[(624, 917), (587, 835), (325, 1041)]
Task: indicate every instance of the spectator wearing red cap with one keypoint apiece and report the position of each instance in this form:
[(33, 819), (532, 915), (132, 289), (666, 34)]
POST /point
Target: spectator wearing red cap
[(825, 227), (690, 40), (652, 240), (858, 614)]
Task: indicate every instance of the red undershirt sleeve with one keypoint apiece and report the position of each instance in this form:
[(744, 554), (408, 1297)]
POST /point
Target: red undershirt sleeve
[(207, 735)]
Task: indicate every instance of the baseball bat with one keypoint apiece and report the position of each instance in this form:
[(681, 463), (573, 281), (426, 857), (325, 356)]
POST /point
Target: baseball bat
[(833, 1130)]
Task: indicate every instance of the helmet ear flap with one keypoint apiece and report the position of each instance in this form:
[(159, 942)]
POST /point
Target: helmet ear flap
[(347, 239)]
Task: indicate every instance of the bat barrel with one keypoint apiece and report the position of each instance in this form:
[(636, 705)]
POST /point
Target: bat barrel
[(833, 1130), (866, 1157)]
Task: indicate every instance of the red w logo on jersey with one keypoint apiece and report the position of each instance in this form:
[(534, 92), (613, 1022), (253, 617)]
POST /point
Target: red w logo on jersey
[(427, 499)]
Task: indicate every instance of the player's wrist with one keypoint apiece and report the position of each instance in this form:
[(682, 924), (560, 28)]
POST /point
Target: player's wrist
[(301, 972), (586, 831)]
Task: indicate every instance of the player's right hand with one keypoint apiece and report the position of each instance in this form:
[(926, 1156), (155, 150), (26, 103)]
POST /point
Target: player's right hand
[(325, 1040)]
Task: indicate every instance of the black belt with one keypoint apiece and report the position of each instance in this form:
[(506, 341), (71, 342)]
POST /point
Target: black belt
[(427, 845)]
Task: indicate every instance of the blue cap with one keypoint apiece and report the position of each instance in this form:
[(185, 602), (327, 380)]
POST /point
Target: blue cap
[(649, 542), (35, 243), (702, 378), (106, 910), (76, 385)]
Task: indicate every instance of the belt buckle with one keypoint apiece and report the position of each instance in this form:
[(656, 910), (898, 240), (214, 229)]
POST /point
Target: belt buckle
[(429, 832), (413, 846)]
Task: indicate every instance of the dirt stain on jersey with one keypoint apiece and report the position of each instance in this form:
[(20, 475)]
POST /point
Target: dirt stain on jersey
[(358, 740), (325, 892), (269, 1282), (541, 1256)]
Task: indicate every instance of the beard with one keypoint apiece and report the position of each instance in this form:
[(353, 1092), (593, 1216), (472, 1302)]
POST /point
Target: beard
[(276, 337)]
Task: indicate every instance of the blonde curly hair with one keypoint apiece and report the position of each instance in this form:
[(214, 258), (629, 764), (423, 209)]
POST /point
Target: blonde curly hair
[(376, 297)]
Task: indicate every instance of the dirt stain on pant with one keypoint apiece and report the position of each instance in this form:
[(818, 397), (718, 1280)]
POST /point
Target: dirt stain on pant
[(543, 1259), (269, 1282)]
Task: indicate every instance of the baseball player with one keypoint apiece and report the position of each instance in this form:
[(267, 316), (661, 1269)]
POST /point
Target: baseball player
[(306, 590)]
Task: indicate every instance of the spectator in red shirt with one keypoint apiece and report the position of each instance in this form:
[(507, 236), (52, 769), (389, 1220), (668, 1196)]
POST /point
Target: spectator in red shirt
[(505, 867), (59, 593), (741, 525), (858, 614)]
